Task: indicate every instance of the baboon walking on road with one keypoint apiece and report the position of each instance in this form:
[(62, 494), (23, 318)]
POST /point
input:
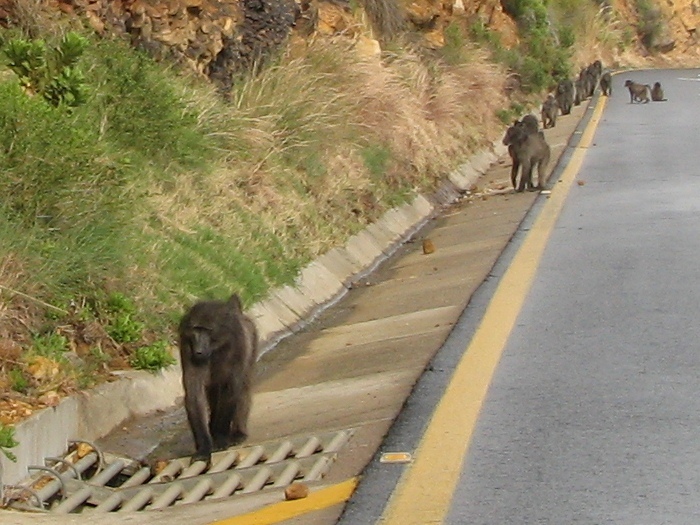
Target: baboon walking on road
[(218, 350), (528, 150), (638, 92)]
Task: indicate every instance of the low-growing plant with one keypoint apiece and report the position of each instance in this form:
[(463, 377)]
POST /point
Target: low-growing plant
[(51, 345), (153, 357), (50, 71), (18, 380), (7, 441), (123, 328)]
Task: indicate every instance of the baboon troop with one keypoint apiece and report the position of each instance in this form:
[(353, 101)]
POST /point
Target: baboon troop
[(528, 149), (218, 350), (657, 93), (550, 109), (638, 92)]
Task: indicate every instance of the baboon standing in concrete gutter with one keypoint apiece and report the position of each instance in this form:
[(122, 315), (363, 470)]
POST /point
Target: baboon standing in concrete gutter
[(218, 350)]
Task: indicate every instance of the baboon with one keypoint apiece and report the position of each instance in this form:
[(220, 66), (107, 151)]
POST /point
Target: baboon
[(550, 109), (218, 351), (586, 80), (529, 125), (606, 83), (578, 92), (565, 96), (638, 92), (657, 93), (527, 149), (596, 70)]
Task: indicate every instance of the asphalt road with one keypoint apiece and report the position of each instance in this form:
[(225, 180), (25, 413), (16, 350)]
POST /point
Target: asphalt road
[(593, 413)]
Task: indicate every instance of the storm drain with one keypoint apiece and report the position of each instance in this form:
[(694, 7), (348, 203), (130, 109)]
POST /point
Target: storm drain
[(87, 481)]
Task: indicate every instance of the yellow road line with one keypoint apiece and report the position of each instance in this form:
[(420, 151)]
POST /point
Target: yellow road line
[(286, 510), (424, 493)]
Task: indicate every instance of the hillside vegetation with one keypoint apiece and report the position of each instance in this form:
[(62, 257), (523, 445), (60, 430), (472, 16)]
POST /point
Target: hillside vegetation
[(132, 187)]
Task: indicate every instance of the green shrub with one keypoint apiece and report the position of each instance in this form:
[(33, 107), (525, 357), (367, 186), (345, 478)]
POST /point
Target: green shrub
[(48, 71), (18, 381), (51, 345), (7, 440), (125, 329), (153, 357), (650, 23)]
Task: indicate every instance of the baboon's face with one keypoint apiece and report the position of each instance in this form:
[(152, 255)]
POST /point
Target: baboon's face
[(514, 134), (200, 341), (205, 328)]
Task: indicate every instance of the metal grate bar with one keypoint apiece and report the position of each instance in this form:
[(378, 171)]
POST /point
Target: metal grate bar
[(168, 497), (289, 474), (52, 488), (255, 455), (225, 462), (228, 487), (80, 497), (195, 469), (259, 480), (313, 444), (137, 479), (169, 472), (283, 452), (200, 490), (110, 503), (139, 501), (241, 471)]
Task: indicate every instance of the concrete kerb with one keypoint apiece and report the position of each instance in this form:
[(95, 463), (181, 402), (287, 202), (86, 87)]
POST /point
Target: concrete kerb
[(95, 413)]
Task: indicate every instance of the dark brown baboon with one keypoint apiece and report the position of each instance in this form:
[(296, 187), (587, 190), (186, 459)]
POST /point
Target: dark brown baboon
[(606, 84), (550, 109), (578, 92), (527, 151), (565, 96), (596, 71), (527, 126), (218, 350), (638, 92), (586, 80), (657, 93)]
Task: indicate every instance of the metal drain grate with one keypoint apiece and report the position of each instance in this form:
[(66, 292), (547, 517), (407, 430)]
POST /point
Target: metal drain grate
[(96, 483)]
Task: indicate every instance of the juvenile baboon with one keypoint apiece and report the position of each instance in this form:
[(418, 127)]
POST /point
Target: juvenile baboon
[(638, 92), (218, 350), (606, 83), (550, 109), (657, 93), (527, 150), (565, 96)]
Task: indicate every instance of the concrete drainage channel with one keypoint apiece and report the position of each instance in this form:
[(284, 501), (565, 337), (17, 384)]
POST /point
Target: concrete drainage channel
[(89, 482)]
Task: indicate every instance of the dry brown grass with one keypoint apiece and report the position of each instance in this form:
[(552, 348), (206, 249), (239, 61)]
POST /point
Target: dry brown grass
[(295, 137)]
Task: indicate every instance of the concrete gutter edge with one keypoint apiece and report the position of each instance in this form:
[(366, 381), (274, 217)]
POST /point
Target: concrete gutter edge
[(93, 414)]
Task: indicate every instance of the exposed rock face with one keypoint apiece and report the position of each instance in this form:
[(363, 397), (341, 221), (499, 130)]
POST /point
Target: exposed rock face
[(216, 37)]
